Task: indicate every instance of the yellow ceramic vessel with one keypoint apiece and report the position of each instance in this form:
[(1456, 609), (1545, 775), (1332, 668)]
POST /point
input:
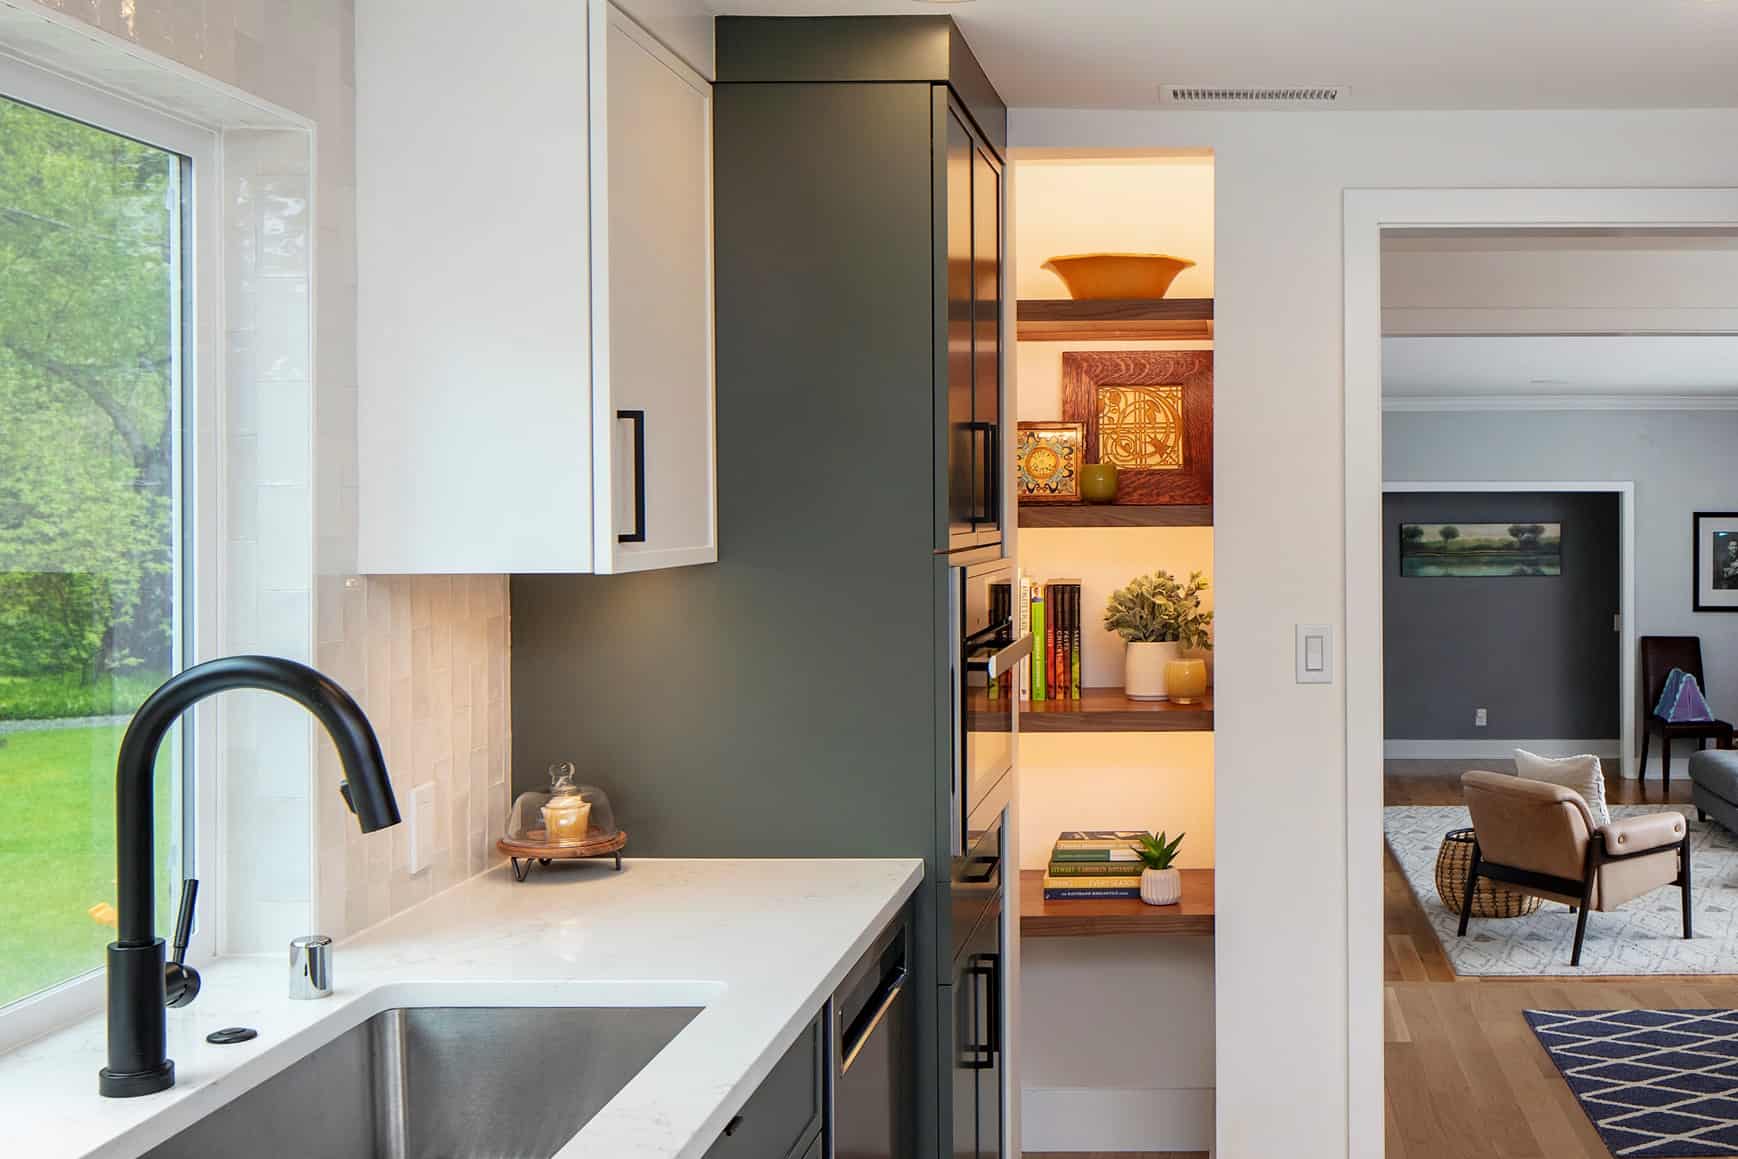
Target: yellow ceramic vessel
[(1100, 276), (1185, 680)]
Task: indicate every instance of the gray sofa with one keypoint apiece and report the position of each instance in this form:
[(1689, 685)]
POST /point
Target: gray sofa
[(1714, 786)]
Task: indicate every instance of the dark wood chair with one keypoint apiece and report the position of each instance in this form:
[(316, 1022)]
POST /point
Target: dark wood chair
[(1659, 655)]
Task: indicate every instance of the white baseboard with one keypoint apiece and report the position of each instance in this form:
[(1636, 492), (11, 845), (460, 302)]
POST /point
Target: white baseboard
[(1497, 749), (1092, 1119)]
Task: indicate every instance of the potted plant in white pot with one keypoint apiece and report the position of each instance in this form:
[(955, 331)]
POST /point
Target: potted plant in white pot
[(1160, 619), (1160, 884)]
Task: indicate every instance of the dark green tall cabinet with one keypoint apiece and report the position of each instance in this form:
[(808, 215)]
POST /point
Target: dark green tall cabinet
[(796, 698)]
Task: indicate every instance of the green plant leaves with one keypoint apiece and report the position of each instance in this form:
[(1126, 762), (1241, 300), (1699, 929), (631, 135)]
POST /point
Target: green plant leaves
[(1157, 609), (1158, 853)]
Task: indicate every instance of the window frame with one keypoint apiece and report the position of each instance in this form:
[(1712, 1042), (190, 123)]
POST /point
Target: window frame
[(200, 447)]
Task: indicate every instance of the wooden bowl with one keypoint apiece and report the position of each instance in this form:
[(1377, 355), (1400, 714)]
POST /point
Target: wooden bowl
[(1097, 277)]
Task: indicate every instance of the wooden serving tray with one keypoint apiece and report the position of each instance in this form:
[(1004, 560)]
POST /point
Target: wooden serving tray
[(543, 852)]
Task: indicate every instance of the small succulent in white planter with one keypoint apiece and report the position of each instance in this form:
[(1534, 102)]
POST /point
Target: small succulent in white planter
[(1159, 618), (1160, 884)]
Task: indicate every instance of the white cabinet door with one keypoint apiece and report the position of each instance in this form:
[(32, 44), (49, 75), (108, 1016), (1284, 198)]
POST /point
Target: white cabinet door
[(474, 415), (652, 325), (534, 261)]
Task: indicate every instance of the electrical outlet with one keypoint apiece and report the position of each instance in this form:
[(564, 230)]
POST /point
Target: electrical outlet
[(422, 827), (1480, 718)]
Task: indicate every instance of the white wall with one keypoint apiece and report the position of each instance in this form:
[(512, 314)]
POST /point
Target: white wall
[(1142, 1082), (1484, 285), (1150, 205), (1280, 178)]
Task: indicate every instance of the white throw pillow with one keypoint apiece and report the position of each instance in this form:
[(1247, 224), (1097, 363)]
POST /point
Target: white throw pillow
[(1581, 773)]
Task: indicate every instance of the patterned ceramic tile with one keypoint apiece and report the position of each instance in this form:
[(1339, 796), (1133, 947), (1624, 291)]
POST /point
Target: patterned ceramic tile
[(1141, 427)]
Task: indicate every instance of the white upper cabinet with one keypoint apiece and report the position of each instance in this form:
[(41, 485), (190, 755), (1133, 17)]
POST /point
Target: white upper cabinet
[(534, 291)]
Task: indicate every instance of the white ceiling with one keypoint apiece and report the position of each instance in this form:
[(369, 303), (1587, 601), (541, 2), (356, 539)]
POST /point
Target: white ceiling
[(1665, 368), (1394, 54)]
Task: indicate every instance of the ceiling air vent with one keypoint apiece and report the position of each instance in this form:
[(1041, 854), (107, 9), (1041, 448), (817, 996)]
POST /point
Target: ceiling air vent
[(1268, 96)]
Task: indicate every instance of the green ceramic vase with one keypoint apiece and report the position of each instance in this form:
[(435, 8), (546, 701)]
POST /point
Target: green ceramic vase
[(1098, 482)]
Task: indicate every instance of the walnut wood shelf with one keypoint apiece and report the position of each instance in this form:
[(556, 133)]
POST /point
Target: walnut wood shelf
[(1114, 515), (1191, 917), (1121, 319), (1104, 710)]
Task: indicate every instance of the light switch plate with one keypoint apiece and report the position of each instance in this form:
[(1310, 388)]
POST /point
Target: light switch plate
[(422, 827), (1315, 654)]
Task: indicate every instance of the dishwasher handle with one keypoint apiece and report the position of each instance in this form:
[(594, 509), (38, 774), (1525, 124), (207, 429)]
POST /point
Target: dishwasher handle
[(891, 990)]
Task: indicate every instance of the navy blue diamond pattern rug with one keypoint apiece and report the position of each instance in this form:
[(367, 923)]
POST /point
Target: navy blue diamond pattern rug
[(1654, 1082)]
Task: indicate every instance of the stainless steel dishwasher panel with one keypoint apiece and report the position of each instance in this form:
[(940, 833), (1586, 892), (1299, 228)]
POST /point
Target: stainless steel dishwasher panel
[(872, 1054)]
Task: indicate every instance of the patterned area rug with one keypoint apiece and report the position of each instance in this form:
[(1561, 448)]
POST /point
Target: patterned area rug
[(1642, 937), (1654, 1082)]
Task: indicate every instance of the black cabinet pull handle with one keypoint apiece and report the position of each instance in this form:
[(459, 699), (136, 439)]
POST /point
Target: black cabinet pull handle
[(638, 534), (993, 1004), (982, 1055), (984, 436), (735, 1122), (992, 475)]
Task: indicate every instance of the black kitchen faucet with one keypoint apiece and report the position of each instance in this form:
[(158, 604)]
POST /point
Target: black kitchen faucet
[(141, 981)]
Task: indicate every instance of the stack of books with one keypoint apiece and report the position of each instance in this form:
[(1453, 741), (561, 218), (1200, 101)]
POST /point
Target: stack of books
[(1094, 863), (1051, 612)]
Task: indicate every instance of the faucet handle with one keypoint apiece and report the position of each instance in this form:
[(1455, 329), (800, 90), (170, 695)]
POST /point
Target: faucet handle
[(181, 981), (184, 919)]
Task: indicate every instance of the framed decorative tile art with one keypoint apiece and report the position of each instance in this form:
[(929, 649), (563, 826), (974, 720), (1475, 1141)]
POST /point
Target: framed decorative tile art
[(1150, 413), (1048, 457)]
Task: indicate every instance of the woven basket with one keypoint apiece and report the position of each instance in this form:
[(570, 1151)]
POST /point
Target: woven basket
[(1488, 900)]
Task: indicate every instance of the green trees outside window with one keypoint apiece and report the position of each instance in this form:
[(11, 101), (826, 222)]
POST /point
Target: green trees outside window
[(90, 382)]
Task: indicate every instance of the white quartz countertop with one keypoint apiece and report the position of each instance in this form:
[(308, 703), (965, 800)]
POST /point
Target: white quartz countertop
[(758, 944)]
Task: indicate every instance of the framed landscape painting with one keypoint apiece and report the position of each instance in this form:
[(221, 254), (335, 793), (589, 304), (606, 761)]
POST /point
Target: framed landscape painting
[(1481, 550), (1716, 555)]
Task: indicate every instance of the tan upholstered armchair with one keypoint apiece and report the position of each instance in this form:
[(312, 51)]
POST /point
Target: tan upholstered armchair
[(1540, 839)]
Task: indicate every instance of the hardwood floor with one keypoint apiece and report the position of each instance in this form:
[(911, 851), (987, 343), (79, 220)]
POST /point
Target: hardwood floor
[(1466, 1079)]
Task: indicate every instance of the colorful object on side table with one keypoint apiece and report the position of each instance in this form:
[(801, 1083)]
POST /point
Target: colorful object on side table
[(1108, 276), (1681, 701), (1185, 680), (1098, 482), (1048, 459)]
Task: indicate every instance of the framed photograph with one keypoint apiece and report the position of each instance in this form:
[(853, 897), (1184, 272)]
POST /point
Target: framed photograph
[(1715, 573), (1481, 550), (1047, 458), (1150, 414)]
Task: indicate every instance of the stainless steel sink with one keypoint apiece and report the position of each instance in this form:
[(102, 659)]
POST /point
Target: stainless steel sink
[(441, 1083)]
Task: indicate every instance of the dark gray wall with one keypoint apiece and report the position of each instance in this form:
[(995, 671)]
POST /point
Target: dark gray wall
[(780, 702), (1539, 653), (1679, 462)]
